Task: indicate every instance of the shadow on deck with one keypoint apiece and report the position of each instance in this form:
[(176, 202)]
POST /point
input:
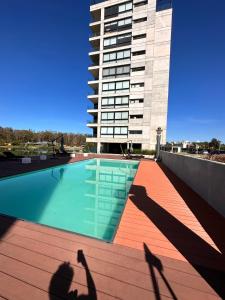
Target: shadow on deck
[(211, 265)]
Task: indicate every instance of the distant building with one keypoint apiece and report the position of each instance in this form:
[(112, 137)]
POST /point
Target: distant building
[(130, 67)]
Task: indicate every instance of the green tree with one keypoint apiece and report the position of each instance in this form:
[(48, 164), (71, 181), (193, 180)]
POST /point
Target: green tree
[(214, 144)]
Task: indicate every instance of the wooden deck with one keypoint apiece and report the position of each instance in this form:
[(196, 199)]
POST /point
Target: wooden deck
[(169, 245)]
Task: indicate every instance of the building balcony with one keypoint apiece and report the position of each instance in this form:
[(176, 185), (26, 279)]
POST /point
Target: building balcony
[(92, 106), (94, 35), (93, 111), (93, 98), (95, 29), (95, 13), (94, 56), (95, 43), (92, 123), (94, 70), (94, 85)]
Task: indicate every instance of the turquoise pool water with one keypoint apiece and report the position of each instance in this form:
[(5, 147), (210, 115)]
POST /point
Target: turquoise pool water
[(86, 197)]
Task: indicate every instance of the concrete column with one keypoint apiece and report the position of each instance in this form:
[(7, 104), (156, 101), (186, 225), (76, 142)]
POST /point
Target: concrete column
[(98, 147)]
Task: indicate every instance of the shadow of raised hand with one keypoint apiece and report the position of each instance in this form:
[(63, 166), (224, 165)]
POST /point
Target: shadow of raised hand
[(62, 279)]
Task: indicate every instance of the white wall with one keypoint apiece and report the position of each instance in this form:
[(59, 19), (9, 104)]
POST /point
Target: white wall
[(205, 177)]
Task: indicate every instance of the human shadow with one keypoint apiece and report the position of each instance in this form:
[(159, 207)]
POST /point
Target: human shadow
[(155, 263), (62, 279), (203, 257), (208, 217)]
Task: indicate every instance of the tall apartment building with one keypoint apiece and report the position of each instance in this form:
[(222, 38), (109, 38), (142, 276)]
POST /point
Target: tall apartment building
[(130, 67)]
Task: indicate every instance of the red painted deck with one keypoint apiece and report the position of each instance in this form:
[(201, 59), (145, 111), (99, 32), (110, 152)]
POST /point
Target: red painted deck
[(160, 252)]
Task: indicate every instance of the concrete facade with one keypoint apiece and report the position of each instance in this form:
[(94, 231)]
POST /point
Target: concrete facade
[(206, 178), (145, 40)]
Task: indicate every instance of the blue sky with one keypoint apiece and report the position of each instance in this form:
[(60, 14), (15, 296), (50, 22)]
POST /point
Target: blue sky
[(44, 60)]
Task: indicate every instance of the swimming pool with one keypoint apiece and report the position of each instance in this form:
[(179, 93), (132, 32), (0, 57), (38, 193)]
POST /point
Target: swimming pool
[(86, 197)]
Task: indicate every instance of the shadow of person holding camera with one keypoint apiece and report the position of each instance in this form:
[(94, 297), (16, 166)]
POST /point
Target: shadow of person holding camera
[(62, 279)]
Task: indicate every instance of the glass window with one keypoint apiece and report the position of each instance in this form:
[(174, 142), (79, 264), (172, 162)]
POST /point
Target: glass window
[(110, 130), (118, 116), (124, 130), (120, 55), (117, 130), (124, 115), (119, 70), (126, 69), (106, 57), (106, 42), (125, 100), (104, 116), (122, 8), (129, 6), (121, 23), (111, 86), (112, 56), (128, 21), (113, 41), (119, 85), (111, 101), (104, 101), (112, 71), (127, 53), (105, 72), (118, 100), (105, 87), (103, 130), (110, 116), (126, 84)]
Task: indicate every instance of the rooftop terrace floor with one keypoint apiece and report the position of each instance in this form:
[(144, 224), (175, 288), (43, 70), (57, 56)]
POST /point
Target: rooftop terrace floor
[(169, 245)]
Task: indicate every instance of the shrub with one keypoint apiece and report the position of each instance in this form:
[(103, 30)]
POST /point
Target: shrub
[(216, 157), (90, 148), (144, 152)]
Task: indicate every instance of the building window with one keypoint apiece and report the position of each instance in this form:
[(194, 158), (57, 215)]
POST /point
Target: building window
[(136, 53), (138, 69), (115, 116), (114, 10), (115, 56), (115, 102), (108, 116), (135, 132), (133, 101), (116, 86), (139, 36), (121, 101), (122, 24), (116, 41), (140, 20), (107, 131), (111, 131), (125, 7), (121, 115), (116, 72), (136, 117), (120, 131), (137, 85)]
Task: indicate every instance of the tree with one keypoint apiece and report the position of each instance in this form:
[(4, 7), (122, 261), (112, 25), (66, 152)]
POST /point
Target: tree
[(214, 144), (17, 137)]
